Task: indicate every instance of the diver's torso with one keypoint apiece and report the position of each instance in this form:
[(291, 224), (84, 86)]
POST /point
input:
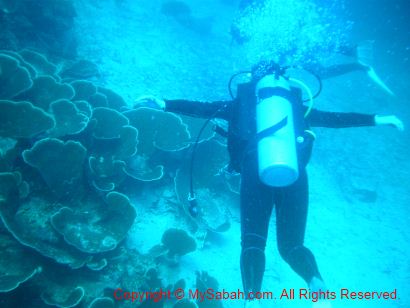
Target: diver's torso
[(242, 134)]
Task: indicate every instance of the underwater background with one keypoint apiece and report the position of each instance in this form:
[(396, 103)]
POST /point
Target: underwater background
[(93, 191)]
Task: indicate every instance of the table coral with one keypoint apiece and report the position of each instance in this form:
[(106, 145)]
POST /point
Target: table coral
[(178, 242), (14, 78), (60, 164), (23, 120), (98, 229), (69, 119)]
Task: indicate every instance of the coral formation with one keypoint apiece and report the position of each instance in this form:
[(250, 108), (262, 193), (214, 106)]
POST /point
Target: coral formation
[(107, 123), (62, 299), (14, 78), (209, 186), (106, 174), (16, 266), (39, 62), (59, 163), (206, 282), (158, 130), (70, 120), (68, 153), (185, 304), (99, 228), (23, 120), (45, 90), (102, 302), (83, 89), (178, 242)]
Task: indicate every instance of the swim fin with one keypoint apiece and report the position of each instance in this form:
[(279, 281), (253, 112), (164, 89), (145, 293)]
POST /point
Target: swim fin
[(364, 52), (373, 76), (365, 57)]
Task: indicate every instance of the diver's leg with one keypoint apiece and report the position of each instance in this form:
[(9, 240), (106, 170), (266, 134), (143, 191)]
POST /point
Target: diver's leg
[(338, 69), (256, 208), (291, 214), (363, 53)]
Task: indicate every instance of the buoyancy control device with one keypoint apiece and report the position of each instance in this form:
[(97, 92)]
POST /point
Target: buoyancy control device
[(276, 140)]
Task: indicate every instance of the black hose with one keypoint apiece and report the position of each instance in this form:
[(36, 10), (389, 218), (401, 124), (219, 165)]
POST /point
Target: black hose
[(232, 78), (193, 205)]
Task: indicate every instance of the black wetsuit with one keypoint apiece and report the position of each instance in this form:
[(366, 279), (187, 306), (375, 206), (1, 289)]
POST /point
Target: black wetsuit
[(257, 199)]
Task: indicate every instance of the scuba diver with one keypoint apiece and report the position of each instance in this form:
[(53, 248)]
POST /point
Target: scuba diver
[(269, 144)]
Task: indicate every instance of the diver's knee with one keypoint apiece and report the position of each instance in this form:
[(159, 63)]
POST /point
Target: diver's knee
[(253, 240), (288, 252)]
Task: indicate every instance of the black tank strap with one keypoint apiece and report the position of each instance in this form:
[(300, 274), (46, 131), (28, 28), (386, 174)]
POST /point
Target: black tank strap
[(267, 92), (271, 130), (265, 133)]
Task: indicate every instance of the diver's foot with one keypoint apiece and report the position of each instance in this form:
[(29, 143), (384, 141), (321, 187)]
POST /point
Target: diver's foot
[(376, 79), (318, 285), (365, 58), (364, 53)]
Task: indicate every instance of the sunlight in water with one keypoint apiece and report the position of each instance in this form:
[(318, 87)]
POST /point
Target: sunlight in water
[(297, 29)]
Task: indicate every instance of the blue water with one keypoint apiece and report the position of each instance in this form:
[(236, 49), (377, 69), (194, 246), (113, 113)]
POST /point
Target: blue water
[(89, 187)]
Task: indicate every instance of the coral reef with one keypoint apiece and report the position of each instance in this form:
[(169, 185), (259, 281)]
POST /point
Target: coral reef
[(16, 266), (99, 228), (45, 90), (70, 119), (205, 282), (178, 242), (39, 62), (107, 123), (210, 187), (14, 78), (64, 299), (23, 120), (60, 164), (68, 151), (102, 302)]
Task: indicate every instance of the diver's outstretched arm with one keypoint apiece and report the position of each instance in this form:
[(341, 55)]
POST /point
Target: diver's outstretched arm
[(205, 110), (318, 118), (149, 101), (218, 109)]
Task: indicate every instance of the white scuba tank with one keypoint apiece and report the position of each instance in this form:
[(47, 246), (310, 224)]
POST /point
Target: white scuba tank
[(277, 157)]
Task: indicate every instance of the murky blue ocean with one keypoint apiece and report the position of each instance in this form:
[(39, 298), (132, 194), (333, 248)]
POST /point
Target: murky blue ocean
[(149, 159)]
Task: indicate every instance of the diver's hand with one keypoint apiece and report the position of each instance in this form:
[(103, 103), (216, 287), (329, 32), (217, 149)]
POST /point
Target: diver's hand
[(389, 120), (150, 101)]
